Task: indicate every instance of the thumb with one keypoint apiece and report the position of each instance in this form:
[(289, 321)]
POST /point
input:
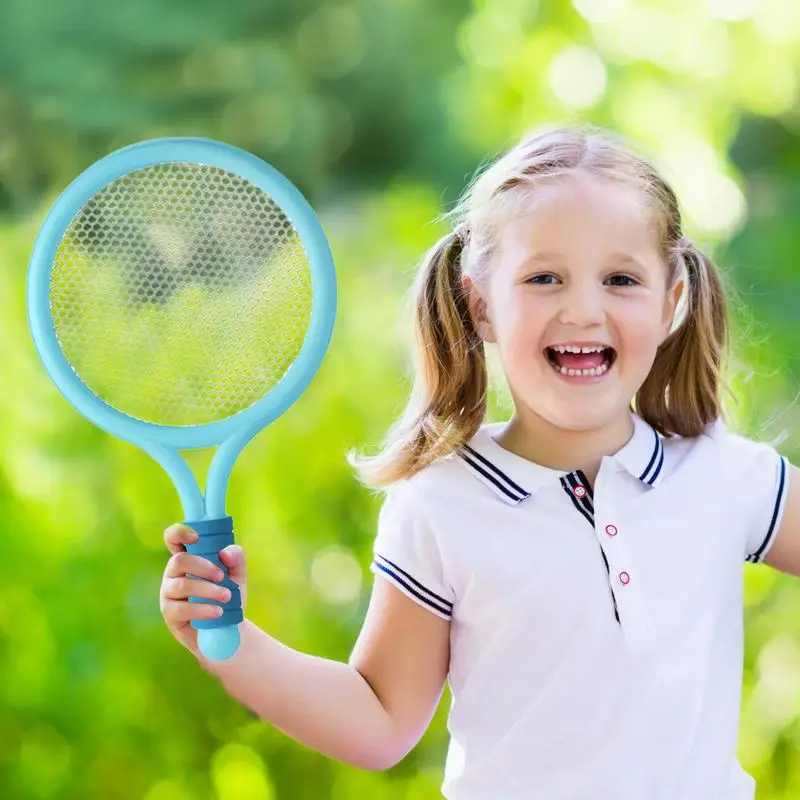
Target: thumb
[(234, 559)]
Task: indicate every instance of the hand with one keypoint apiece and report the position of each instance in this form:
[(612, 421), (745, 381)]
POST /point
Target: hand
[(177, 586)]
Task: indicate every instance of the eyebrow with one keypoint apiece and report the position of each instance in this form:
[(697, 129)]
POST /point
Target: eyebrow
[(550, 256)]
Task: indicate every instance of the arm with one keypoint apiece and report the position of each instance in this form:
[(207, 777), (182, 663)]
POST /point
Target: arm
[(369, 712), (784, 555)]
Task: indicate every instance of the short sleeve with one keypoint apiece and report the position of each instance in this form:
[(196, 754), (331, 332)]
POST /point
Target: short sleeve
[(762, 478), (406, 552)]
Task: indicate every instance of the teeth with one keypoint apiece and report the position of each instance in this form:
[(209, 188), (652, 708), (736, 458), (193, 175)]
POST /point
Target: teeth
[(571, 349), (582, 373)]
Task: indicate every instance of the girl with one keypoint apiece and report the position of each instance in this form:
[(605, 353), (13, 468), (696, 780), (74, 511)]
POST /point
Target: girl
[(576, 572)]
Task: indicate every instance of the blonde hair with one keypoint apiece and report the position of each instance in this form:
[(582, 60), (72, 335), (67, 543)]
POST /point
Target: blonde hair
[(448, 401)]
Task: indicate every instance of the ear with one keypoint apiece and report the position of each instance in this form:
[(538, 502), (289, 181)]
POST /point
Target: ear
[(671, 306), (478, 309)]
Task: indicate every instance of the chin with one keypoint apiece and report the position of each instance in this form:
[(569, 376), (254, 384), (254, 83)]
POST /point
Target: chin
[(580, 414), (579, 421)]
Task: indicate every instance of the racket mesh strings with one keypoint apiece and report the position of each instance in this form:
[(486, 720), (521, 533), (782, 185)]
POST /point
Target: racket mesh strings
[(180, 294)]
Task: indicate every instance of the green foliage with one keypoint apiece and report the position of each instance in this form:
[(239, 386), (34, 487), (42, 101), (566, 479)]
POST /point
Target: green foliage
[(380, 112)]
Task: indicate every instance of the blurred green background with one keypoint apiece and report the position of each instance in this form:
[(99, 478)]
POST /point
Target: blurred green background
[(380, 111)]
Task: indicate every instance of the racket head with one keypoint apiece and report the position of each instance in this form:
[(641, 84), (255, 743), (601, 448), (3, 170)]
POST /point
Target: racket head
[(239, 163)]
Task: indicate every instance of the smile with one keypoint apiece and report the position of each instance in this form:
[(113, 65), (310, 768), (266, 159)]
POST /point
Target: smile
[(592, 361)]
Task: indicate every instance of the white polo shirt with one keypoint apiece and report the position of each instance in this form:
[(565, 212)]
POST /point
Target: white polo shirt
[(596, 634)]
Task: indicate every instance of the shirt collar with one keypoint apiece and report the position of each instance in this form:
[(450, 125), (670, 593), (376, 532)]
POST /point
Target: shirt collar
[(643, 454), (514, 478)]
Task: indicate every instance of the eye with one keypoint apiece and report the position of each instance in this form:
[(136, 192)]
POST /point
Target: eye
[(622, 280), (542, 280)]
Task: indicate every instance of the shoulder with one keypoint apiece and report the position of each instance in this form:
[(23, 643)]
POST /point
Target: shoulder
[(737, 451), (435, 486), (747, 474), (446, 495), (717, 449)]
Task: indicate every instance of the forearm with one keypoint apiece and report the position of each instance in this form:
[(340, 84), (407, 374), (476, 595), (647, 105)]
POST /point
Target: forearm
[(323, 704)]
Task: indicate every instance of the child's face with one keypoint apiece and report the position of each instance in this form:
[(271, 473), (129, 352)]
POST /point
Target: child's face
[(603, 285)]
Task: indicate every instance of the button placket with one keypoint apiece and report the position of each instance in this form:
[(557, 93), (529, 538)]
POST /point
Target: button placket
[(628, 591), (577, 487)]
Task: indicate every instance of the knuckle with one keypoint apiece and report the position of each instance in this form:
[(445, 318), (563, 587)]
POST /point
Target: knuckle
[(168, 610), (195, 587), (205, 566), (175, 560), (184, 611)]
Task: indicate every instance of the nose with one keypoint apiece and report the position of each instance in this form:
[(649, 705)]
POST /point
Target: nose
[(582, 306)]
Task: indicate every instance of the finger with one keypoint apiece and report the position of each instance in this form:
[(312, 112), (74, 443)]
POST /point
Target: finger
[(182, 563), (234, 559), (183, 587), (179, 535), (181, 611)]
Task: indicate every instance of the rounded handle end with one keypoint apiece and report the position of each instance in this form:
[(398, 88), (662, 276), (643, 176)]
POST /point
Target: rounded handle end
[(218, 644)]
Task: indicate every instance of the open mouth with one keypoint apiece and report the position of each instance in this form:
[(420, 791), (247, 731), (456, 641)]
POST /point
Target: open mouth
[(581, 362)]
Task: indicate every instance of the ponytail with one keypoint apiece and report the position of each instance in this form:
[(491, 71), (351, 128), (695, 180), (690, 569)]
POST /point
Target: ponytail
[(681, 395), (448, 400)]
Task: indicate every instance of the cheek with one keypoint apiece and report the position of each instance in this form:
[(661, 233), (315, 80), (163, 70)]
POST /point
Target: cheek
[(641, 328), (518, 322)]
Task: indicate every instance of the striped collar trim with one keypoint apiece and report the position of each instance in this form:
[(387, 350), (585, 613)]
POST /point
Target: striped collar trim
[(488, 473), (643, 455), (514, 479)]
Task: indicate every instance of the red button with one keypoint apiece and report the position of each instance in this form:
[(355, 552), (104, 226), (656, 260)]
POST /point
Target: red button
[(580, 491), (611, 530), (624, 578)]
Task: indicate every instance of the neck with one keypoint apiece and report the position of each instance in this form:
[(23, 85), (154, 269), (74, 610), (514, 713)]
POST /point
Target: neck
[(533, 438)]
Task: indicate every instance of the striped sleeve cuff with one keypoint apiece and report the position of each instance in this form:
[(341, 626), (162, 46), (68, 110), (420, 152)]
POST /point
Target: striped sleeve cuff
[(411, 587), (774, 521)]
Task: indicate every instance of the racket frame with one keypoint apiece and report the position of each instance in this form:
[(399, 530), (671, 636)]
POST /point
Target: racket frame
[(233, 433)]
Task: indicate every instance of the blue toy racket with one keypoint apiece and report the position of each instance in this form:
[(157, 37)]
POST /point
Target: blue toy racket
[(181, 294)]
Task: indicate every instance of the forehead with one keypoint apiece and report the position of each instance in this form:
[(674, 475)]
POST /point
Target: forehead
[(580, 213)]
